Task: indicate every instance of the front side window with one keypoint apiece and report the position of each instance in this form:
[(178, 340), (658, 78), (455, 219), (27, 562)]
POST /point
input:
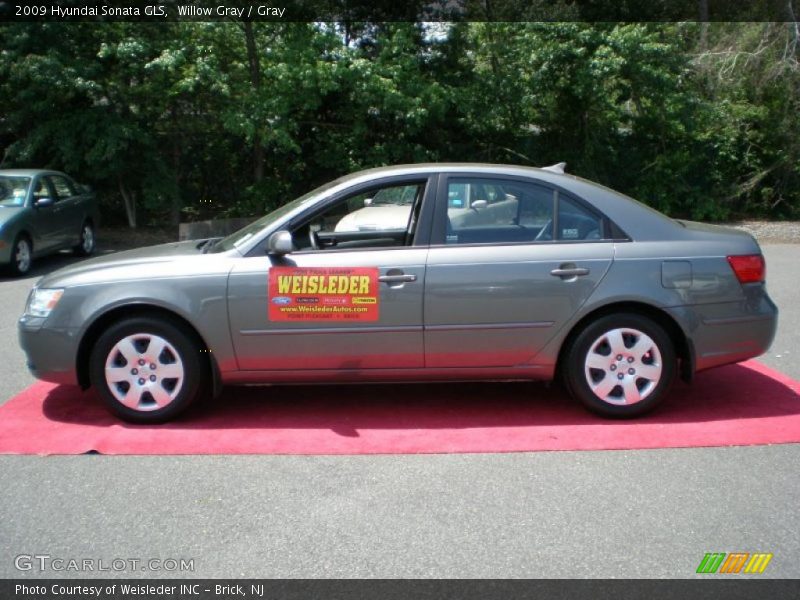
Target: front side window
[(41, 190), (383, 216)]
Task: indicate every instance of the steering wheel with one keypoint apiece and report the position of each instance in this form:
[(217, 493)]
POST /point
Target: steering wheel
[(545, 233), (314, 239)]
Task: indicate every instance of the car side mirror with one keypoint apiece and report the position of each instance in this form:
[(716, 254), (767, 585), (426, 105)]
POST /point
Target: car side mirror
[(280, 243), (479, 204), (43, 202), (367, 201)]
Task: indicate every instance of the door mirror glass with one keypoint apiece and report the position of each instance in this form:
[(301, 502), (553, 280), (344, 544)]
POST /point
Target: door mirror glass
[(43, 202), (280, 243)]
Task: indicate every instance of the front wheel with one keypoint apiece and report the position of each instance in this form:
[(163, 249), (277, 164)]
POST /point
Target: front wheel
[(147, 369), (621, 365), (21, 255), (86, 243)]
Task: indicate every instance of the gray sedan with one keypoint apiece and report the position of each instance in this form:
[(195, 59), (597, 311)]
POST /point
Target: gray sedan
[(496, 272), (43, 212)]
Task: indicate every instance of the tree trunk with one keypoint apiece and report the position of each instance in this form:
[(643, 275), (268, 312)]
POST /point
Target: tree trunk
[(703, 16), (175, 209), (255, 80), (794, 29), (129, 199)]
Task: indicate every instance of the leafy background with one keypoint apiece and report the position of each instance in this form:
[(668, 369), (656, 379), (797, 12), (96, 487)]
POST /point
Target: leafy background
[(181, 121)]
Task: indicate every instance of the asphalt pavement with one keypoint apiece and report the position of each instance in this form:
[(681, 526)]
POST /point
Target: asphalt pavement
[(644, 513)]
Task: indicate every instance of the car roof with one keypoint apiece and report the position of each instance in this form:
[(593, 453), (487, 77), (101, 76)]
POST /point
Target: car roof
[(553, 174), (28, 172), (422, 168), (634, 218)]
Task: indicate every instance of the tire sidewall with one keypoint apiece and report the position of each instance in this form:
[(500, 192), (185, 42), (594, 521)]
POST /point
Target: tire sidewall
[(184, 344), (79, 249), (13, 262), (575, 377)]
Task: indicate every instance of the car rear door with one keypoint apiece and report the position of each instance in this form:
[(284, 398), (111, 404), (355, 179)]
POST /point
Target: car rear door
[(342, 306), (498, 286)]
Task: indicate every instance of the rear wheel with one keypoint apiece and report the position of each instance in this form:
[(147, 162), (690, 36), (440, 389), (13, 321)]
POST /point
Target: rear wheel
[(147, 369), (86, 242), (21, 255), (621, 365)]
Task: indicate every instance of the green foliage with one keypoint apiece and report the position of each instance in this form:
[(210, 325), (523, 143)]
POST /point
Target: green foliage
[(190, 120)]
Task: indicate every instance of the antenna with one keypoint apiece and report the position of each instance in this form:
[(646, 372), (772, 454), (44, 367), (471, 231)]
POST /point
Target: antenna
[(559, 168)]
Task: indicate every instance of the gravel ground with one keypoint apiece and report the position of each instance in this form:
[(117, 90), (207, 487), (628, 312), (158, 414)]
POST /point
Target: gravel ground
[(773, 232), (123, 238)]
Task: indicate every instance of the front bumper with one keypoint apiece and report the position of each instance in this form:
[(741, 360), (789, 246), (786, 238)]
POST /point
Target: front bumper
[(51, 352), (5, 251)]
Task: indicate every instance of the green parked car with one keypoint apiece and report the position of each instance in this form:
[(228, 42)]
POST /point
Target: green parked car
[(42, 212)]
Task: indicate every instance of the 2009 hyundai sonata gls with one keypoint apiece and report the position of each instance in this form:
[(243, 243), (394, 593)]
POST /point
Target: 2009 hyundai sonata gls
[(488, 272)]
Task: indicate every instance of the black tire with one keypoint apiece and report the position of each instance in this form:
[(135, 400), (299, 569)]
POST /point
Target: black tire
[(595, 339), (16, 266), (86, 241), (182, 351)]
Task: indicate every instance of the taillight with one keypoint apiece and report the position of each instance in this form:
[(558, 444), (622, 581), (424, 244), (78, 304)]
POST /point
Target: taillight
[(749, 268)]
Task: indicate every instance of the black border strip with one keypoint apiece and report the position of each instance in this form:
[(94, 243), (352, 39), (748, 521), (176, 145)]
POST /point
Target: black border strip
[(408, 10), (712, 587)]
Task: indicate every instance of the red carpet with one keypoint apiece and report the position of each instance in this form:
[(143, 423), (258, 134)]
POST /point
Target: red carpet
[(736, 405)]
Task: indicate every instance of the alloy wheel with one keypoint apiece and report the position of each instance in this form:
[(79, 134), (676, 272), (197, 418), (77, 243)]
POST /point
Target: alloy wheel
[(623, 366), (22, 256), (144, 372), (87, 239)]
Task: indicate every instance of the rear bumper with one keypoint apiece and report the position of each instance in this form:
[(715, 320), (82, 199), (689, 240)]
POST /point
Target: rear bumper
[(51, 353), (729, 332)]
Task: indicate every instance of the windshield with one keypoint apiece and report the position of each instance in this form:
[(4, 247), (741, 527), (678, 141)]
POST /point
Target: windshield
[(13, 190), (235, 240)]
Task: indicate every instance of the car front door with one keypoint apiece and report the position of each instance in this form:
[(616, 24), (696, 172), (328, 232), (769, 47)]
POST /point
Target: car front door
[(347, 299), (504, 277), (68, 210), (45, 220)]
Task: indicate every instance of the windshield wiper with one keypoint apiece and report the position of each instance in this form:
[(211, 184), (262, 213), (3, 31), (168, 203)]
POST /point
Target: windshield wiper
[(208, 244)]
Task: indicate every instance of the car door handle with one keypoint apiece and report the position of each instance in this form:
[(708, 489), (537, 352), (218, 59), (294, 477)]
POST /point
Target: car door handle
[(397, 278), (571, 272)]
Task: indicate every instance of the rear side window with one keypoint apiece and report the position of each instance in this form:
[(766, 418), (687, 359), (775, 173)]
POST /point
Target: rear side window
[(496, 211), (507, 211), (577, 223), (63, 187)]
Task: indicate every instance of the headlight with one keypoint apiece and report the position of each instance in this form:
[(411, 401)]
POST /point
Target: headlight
[(43, 301)]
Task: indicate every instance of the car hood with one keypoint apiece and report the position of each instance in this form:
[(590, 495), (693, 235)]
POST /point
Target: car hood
[(9, 213), (127, 260), (376, 218)]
